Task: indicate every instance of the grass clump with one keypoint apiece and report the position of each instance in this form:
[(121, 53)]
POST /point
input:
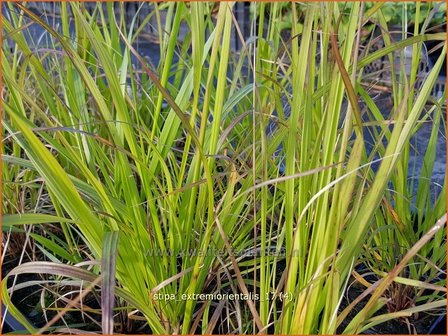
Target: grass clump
[(217, 173)]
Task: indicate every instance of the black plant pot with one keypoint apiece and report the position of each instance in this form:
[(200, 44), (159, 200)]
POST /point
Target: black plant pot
[(439, 326), (10, 324)]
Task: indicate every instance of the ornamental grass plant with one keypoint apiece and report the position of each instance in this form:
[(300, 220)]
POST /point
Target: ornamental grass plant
[(153, 192)]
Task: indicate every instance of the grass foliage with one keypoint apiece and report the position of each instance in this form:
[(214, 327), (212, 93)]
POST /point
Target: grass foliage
[(260, 155)]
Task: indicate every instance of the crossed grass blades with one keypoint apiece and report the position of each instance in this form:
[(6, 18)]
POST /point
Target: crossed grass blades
[(127, 158)]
